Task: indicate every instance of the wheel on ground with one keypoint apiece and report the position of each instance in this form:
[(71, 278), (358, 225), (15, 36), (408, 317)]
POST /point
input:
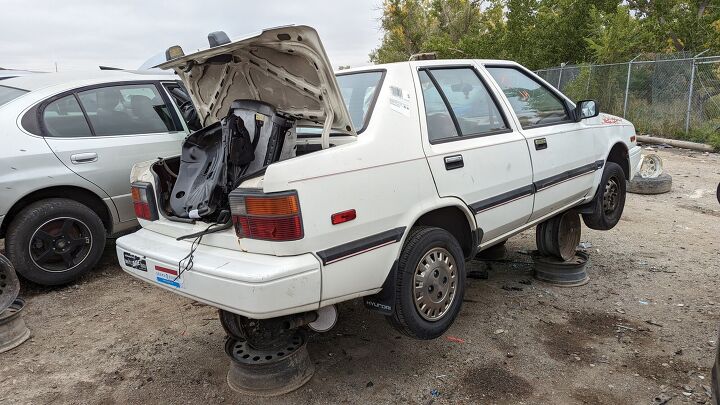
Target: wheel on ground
[(559, 235), (54, 241), (653, 185), (609, 201), (430, 283)]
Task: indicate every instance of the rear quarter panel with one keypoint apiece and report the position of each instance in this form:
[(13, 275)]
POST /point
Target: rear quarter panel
[(384, 176), (27, 164)]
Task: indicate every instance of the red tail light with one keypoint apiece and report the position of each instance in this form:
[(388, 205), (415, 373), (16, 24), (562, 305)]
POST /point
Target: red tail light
[(273, 216), (144, 201)]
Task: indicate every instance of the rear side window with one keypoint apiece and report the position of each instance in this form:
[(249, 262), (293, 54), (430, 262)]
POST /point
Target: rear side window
[(127, 110), (64, 118), (533, 103), (359, 92), (457, 102), (8, 94)]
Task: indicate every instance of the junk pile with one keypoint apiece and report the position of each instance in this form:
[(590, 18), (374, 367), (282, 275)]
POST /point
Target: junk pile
[(650, 177), (13, 331)]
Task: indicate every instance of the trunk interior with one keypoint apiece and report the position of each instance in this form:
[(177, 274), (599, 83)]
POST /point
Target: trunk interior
[(217, 158)]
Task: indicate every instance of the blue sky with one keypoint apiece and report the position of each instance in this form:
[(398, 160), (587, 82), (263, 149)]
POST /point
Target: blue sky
[(82, 34)]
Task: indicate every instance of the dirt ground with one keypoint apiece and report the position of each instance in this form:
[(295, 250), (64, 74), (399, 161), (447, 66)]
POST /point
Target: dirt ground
[(643, 327)]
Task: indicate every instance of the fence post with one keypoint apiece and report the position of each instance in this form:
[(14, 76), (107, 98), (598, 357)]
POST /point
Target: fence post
[(690, 93), (562, 66), (627, 85), (587, 85)]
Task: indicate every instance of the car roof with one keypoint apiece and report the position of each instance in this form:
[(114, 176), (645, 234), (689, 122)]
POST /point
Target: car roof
[(41, 80), (431, 62)]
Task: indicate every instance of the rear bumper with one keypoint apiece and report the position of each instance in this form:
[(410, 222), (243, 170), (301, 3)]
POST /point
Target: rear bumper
[(252, 285), (635, 154)]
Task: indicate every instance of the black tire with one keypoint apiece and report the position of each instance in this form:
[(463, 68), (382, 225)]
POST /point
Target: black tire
[(406, 316), (654, 185), (54, 241), (613, 183)]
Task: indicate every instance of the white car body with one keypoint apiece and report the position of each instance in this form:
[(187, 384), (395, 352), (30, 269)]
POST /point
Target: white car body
[(394, 178)]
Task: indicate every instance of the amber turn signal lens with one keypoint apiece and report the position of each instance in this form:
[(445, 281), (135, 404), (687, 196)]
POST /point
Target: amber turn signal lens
[(282, 205)]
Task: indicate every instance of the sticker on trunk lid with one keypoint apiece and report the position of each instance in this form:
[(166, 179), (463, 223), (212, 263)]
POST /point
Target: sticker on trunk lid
[(164, 275)]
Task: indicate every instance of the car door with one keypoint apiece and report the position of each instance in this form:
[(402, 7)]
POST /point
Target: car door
[(100, 132), (473, 150), (561, 149)]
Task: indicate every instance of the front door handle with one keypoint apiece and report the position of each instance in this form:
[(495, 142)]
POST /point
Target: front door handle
[(540, 144), (454, 162), (80, 158)]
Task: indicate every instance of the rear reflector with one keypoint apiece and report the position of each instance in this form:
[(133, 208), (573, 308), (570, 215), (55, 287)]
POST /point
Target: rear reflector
[(144, 201), (345, 216), (632, 139), (272, 216)]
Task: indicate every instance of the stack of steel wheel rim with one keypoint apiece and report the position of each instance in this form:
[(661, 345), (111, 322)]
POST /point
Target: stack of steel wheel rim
[(13, 331), (557, 262)]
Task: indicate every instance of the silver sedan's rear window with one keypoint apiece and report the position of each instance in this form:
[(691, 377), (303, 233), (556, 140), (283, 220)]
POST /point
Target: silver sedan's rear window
[(8, 94)]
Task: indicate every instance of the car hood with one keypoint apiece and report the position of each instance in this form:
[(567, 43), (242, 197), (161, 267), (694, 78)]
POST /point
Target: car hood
[(286, 67)]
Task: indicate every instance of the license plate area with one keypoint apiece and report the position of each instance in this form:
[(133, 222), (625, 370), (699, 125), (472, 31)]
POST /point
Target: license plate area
[(168, 276)]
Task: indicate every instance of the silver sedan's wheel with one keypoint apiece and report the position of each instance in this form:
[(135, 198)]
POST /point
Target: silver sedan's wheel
[(435, 283)]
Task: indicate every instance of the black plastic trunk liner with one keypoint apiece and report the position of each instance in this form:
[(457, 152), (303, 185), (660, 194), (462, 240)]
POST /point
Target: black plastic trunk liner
[(214, 159)]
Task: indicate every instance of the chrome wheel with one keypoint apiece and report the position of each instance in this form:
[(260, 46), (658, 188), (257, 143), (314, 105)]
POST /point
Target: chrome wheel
[(611, 196), (435, 283), (60, 244)]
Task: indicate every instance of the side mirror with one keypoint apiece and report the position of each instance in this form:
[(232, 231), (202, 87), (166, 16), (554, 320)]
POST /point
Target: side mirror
[(586, 109)]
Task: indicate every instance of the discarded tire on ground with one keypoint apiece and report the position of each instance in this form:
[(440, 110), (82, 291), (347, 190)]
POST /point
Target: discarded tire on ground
[(559, 235), (570, 273), (13, 331), (9, 284), (655, 185), (269, 372)]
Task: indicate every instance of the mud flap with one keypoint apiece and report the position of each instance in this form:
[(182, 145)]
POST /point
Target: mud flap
[(384, 301)]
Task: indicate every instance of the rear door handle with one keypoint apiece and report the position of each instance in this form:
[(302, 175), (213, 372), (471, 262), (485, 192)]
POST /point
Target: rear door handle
[(454, 162), (80, 158), (540, 144)]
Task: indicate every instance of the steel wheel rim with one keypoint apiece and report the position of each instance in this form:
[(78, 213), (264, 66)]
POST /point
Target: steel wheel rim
[(60, 244), (611, 195), (435, 282)]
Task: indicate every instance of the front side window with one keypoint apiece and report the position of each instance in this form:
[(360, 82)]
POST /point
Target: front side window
[(126, 110), (458, 103), (359, 91), (64, 118), (8, 94), (533, 103)]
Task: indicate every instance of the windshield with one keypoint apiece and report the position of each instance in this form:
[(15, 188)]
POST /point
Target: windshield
[(359, 91), (10, 93)]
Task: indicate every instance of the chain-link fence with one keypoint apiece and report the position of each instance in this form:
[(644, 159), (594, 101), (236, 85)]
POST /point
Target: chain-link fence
[(676, 96)]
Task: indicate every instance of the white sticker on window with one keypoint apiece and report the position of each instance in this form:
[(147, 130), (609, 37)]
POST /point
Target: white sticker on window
[(399, 100)]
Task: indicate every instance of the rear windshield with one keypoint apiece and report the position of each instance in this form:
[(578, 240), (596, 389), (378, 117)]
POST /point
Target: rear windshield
[(8, 94), (359, 91)]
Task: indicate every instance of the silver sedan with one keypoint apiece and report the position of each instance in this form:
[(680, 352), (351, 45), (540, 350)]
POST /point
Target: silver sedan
[(69, 141)]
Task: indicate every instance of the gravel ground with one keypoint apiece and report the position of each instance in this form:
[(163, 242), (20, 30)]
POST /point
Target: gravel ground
[(643, 327)]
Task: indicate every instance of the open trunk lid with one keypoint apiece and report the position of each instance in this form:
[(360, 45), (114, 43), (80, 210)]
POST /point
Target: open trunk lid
[(286, 67)]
